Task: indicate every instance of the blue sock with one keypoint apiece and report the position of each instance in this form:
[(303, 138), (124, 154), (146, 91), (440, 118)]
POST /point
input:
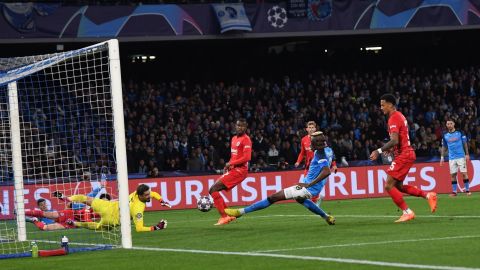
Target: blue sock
[(314, 208), (454, 186), (257, 206), (466, 184)]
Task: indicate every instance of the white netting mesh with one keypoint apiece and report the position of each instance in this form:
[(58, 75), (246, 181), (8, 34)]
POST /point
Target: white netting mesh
[(67, 144)]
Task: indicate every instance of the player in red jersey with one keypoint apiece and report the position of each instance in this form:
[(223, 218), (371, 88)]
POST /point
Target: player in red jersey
[(403, 161), (306, 149), (61, 218), (235, 170), (307, 153)]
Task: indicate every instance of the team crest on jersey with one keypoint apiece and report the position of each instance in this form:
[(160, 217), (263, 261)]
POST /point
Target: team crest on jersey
[(238, 144), (139, 216), (322, 160)]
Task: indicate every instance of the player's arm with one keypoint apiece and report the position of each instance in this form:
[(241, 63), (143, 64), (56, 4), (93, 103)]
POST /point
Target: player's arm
[(301, 155), (325, 172), (442, 150), (140, 227), (159, 198), (465, 147), (333, 166), (393, 141)]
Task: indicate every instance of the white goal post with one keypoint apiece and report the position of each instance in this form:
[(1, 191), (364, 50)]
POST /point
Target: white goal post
[(62, 128)]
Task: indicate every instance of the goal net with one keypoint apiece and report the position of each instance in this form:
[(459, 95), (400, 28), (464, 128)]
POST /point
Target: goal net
[(61, 129)]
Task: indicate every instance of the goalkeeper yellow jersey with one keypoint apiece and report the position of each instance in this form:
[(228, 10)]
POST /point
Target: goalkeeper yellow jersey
[(137, 208)]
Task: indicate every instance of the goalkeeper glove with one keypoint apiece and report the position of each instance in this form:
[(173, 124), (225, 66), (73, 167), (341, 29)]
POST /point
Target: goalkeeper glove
[(160, 226), (58, 194), (166, 204)]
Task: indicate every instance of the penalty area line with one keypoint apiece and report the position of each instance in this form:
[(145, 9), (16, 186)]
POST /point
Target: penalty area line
[(372, 243), (307, 258)]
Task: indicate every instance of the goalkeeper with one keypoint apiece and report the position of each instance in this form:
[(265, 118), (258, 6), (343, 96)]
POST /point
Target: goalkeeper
[(109, 210)]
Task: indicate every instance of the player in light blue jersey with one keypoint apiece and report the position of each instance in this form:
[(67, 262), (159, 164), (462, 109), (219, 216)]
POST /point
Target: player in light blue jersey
[(311, 185), (456, 143)]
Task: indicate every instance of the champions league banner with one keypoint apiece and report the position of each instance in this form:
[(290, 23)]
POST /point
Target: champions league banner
[(232, 17), (168, 21), (183, 192)]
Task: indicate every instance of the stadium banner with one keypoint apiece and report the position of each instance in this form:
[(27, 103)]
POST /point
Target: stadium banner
[(232, 17), (296, 8), (182, 192), (30, 20)]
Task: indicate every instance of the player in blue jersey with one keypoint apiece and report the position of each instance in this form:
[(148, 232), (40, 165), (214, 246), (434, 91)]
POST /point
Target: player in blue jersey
[(456, 143), (311, 186)]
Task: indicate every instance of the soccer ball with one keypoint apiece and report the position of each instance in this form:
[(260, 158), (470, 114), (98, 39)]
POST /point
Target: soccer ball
[(277, 16), (204, 204)]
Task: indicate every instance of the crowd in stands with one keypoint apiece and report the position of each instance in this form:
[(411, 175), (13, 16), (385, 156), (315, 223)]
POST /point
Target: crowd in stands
[(182, 125)]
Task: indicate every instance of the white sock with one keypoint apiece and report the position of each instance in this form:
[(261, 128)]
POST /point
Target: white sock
[(407, 211), (242, 211)]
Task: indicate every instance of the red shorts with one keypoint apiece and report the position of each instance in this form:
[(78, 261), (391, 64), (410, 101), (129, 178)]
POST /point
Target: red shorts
[(401, 165), (233, 177)]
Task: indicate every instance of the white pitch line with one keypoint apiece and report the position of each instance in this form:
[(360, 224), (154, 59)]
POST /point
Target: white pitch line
[(337, 216), (309, 258), (367, 216), (372, 243)]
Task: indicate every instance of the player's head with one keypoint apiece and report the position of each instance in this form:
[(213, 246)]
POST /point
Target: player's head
[(105, 196), (311, 127), (42, 204), (143, 192), (388, 103), (319, 141), (241, 126), (450, 125)]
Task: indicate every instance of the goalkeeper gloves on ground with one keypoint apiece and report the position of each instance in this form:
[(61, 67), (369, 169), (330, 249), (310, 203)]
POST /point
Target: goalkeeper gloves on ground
[(160, 226)]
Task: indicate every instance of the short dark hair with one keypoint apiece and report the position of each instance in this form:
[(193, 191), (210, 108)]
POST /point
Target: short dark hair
[(105, 196), (243, 120), (389, 98), (142, 189), (39, 201)]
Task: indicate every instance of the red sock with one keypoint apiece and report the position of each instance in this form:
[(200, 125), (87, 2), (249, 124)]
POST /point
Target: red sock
[(39, 224), (219, 203), (315, 198), (414, 191), (34, 213), (397, 198)]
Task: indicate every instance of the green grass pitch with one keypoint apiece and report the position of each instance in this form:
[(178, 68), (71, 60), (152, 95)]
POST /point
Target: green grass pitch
[(288, 236)]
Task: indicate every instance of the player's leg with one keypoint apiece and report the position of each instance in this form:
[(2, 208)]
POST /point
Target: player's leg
[(304, 199), (226, 182), (314, 208), (453, 166), (279, 196), (462, 164), (218, 201), (393, 187), (453, 177)]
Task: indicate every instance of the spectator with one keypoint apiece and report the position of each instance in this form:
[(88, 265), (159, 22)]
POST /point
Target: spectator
[(142, 167)]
